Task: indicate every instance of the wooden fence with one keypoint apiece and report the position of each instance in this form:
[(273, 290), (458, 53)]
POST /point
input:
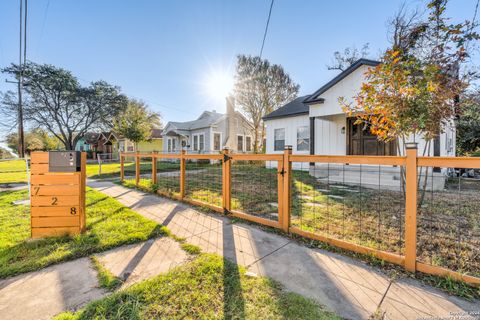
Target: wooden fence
[(410, 165)]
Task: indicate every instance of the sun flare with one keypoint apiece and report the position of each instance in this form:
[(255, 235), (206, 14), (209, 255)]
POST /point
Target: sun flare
[(219, 85)]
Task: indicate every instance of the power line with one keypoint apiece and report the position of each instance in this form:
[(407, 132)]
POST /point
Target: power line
[(45, 13), (266, 28), (475, 14)]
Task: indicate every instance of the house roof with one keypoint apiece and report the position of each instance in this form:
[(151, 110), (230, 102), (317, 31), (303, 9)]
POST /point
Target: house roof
[(156, 134), (315, 97), (91, 137), (293, 108), (206, 119)]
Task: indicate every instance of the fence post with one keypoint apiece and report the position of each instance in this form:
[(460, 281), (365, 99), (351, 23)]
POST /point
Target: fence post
[(182, 174), (411, 208), (226, 181), (154, 168), (122, 168), (137, 168), (287, 183)]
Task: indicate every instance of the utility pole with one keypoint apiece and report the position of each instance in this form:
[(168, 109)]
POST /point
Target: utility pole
[(21, 68), (21, 138)]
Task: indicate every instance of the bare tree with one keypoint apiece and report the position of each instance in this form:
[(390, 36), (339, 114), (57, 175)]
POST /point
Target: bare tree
[(405, 28), (343, 60), (56, 102), (260, 88)]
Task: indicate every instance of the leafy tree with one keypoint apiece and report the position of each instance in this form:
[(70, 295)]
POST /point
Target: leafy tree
[(343, 60), (260, 88), (5, 154), (35, 140), (56, 102), (414, 89), (468, 124), (136, 122)]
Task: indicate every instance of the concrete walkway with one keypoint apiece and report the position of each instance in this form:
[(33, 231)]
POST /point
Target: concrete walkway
[(344, 285)]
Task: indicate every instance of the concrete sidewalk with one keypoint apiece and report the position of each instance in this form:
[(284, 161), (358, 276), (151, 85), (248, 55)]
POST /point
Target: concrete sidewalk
[(344, 285)]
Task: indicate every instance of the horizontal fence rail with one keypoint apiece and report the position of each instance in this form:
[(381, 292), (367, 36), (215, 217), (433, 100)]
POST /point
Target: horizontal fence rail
[(392, 207)]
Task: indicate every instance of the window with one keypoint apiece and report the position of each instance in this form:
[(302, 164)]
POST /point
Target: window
[(216, 141), (239, 143), (279, 142), (303, 138), (199, 142), (169, 145), (195, 142), (173, 144), (202, 142), (248, 143)]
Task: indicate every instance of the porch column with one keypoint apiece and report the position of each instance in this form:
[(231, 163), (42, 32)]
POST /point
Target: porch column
[(312, 138), (312, 135)]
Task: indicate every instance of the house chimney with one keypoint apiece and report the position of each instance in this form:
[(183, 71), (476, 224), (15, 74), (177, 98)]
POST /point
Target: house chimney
[(231, 130)]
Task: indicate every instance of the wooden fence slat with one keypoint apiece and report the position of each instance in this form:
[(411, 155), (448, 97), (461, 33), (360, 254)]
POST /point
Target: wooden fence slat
[(449, 162), (287, 181), (61, 201), (51, 190), (39, 168), (54, 232), (373, 160), (55, 211), (53, 222), (39, 157), (55, 179), (411, 210)]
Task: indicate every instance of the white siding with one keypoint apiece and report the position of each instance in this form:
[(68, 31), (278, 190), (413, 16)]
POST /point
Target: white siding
[(329, 139), (290, 124), (347, 88)]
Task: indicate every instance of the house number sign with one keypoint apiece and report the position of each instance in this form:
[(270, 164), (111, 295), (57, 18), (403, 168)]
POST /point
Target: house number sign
[(57, 194)]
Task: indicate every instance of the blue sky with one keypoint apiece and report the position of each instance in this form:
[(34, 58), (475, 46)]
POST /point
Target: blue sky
[(164, 51)]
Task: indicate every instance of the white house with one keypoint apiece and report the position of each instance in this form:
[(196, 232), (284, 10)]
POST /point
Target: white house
[(210, 133), (316, 124)]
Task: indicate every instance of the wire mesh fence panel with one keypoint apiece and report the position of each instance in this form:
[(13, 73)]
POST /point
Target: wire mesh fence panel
[(448, 232), (254, 188), (145, 168), (168, 176), (362, 204), (13, 171), (129, 167), (103, 170), (203, 181)]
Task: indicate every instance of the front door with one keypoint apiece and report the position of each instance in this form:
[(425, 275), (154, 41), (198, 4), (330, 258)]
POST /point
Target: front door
[(360, 141)]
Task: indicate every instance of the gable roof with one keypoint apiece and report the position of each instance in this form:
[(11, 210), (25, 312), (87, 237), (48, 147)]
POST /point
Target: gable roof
[(206, 119), (295, 107), (315, 97), (91, 137), (156, 134)]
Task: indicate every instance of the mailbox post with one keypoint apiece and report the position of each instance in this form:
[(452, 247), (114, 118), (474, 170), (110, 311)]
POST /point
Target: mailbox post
[(57, 200)]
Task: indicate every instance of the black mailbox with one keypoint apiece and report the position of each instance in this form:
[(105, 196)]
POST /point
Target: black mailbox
[(64, 161)]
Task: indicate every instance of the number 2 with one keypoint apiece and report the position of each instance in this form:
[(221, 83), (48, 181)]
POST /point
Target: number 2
[(54, 201)]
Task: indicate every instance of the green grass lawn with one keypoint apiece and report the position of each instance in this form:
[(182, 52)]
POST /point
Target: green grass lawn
[(109, 224), (209, 287), (13, 171), (112, 170), (448, 222)]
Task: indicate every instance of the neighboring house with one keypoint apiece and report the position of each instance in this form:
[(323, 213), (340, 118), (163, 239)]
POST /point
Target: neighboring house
[(316, 124), (210, 133), (105, 143), (154, 144)]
